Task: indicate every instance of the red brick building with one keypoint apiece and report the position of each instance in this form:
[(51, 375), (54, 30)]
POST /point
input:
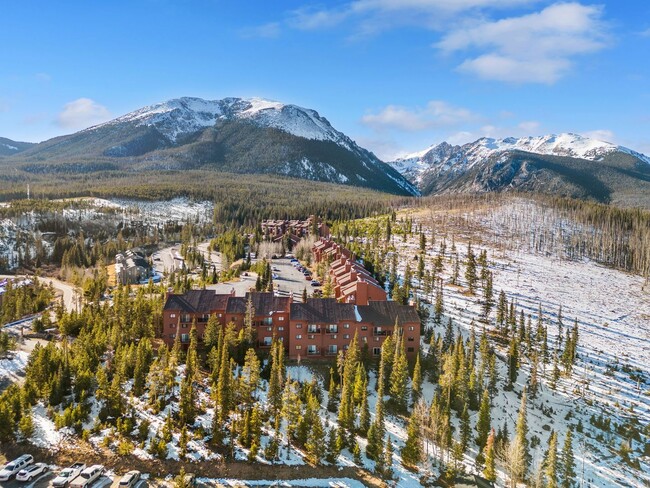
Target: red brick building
[(318, 328), (351, 282)]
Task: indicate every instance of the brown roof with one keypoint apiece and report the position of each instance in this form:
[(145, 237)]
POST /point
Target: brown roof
[(384, 314), (264, 303), (197, 301), (322, 310)]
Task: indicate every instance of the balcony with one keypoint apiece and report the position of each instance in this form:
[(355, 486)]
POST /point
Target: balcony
[(312, 329), (313, 352), (380, 332)]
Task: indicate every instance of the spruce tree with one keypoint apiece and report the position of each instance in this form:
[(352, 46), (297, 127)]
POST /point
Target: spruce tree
[(513, 360), (522, 433), (364, 414), (489, 472), (465, 428), (483, 422), (550, 462), (470, 269), (567, 466), (416, 383), (399, 377), (412, 450)]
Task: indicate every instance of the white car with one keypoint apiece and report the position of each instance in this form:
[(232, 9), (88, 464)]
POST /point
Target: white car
[(67, 475), (87, 476), (130, 479), (32, 471), (12, 468)]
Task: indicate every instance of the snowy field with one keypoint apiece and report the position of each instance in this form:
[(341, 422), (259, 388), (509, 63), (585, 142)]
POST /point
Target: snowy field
[(612, 375)]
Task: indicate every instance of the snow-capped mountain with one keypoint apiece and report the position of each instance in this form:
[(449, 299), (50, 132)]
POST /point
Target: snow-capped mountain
[(9, 147), (233, 134), (187, 115), (565, 160)]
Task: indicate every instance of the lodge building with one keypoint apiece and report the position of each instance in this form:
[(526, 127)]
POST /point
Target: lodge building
[(318, 328)]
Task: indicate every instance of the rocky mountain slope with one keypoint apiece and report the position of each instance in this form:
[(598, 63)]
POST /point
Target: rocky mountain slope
[(233, 134), (564, 164), (9, 147)]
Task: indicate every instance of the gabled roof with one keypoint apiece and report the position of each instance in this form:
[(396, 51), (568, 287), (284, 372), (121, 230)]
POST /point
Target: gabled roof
[(384, 314), (322, 310), (264, 303), (197, 301)]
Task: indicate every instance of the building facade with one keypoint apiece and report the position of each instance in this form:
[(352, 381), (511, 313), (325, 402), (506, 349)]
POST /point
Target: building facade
[(316, 329)]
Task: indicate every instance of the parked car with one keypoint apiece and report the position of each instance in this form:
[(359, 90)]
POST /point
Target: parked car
[(12, 468), (275, 268), (130, 479), (315, 283), (67, 475), (308, 277), (32, 471), (87, 476), (275, 276)]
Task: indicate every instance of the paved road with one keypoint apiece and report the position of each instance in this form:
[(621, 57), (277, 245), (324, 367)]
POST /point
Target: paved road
[(164, 260), (65, 289), (213, 258)]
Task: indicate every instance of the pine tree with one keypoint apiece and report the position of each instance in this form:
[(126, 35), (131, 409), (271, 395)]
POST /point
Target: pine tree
[(412, 450), (470, 269), (211, 334), (489, 472), (488, 298), (522, 432), (387, 465), (316, 442), (223, 400), (332, 394), (399, 377), (364, 414), (182, 443), (276, 380), (250, 376), (416, 383), (439, 305), (513, 360), (465, 428), (484, 420), (550, 462), (567, 469)]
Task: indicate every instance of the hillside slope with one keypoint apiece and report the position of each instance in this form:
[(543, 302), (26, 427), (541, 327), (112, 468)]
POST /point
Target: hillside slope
[(233, 134)]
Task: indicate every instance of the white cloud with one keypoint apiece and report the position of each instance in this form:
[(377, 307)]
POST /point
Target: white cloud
[(601, 135), (371, 16), (270, 30), (82, 113), (645, 33), (437, 113), (537, 47)]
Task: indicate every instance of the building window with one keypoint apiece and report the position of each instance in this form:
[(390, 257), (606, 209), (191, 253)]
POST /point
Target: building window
[(346, 336), (376, 339), (364, 327), (346, 326), (311, 349), (376, 351), (172, 336), (280, 328), (312, 328), (172, 315), (185, 338), (281, 319), (268, 321), (410, 349), (219, 315), (205, 317), (298, 326), (269, 329), (186, 317), (411, 327), (184, 325), (298, 348), (332, 349), (411, 339), (298, 336), (267, 341), (332, 328)]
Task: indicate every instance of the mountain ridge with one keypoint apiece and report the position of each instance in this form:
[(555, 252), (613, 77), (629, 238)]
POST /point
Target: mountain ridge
[(189, 132), (567, 164)]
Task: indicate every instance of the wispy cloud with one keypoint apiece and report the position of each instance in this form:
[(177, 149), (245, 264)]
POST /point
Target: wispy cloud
[(538, 47), (43, 77), (270, 30), (435, 114), (645, 33), (82, 113)]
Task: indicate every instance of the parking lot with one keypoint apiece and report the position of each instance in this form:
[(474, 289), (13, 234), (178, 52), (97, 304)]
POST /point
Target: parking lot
[(105, 481), (289, 279)]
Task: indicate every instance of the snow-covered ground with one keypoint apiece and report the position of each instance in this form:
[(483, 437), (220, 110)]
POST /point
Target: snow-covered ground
[(612, 375), (13, 367)]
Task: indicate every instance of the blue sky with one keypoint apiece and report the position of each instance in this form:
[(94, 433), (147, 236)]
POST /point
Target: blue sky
[(395, 75)]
